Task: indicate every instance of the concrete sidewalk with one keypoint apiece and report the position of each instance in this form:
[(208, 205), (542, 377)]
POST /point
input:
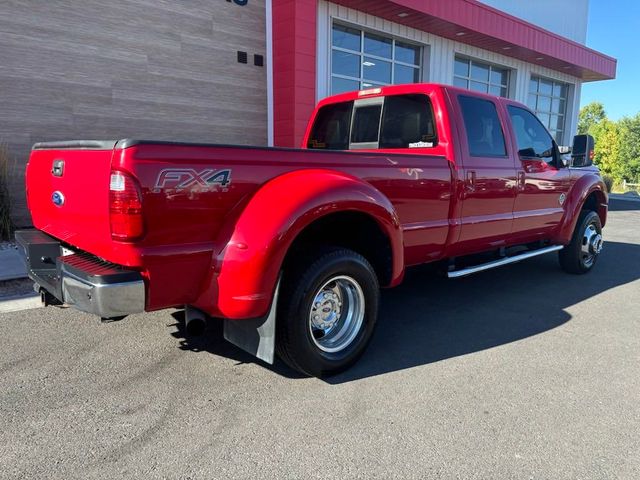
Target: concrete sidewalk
[(17, 303), (11, 265)]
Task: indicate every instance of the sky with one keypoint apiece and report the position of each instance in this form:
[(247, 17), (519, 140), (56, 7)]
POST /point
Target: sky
[(614, 29)]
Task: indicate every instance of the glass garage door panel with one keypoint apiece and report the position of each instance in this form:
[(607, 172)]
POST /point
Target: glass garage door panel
[(480, 76), (362, 59), (548, 99)]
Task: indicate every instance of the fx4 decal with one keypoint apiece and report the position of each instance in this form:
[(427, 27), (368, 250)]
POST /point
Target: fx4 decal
[(184, 178)]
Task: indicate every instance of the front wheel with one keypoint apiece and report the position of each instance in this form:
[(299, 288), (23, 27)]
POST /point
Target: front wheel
[(327, 312), (586, 244)]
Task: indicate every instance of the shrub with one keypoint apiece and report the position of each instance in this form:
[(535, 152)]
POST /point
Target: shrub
[(6, 224), (608, 181)]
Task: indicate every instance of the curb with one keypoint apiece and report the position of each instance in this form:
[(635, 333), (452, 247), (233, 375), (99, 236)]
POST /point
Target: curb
[(20, 302)]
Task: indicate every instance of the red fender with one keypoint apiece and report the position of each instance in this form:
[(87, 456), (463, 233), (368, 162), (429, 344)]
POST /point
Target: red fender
[(246, 270), (578, 195)]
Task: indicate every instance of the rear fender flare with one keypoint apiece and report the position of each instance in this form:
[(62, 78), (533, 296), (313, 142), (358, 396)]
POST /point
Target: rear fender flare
[(248, 266)]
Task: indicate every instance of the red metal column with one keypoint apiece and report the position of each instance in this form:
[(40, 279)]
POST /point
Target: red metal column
[(294, 68)]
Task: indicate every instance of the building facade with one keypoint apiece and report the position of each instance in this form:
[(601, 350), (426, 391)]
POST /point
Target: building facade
[(532, 52), (129, 68), (250, 71)]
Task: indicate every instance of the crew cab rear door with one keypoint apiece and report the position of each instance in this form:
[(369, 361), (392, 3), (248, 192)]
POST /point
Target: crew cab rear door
[(403, 133), (488, 173)]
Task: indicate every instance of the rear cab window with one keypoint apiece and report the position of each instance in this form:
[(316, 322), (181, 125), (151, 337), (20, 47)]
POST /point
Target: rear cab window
[(331, 127), (365, 127), (388, 122)]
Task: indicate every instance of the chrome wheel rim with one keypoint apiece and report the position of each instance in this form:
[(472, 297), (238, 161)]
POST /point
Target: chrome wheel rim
[(591, 245), (337, 314)]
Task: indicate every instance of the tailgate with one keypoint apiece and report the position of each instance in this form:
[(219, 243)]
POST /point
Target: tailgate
[(68, 191)]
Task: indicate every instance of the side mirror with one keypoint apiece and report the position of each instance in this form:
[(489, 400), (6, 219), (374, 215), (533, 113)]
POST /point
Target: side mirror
[(583, 151)]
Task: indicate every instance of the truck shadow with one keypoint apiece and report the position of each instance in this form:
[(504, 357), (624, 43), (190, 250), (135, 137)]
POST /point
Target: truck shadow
[(623, 205), (430, 318)]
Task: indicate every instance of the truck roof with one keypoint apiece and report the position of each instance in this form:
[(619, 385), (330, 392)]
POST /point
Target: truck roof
[(405, 89)]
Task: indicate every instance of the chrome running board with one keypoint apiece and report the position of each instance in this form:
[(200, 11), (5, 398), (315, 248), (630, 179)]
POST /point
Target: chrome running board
[(503, 261)]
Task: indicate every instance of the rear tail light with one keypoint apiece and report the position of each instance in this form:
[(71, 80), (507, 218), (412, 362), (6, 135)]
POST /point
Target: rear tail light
[(125, 207)]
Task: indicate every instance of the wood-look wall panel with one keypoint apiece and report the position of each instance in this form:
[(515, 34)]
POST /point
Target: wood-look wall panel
[(176, 130), (185, 91), (143, 110), (164, 69)]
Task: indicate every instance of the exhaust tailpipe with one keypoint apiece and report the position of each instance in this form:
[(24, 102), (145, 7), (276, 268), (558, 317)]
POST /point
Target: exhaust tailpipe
[(194, 321)]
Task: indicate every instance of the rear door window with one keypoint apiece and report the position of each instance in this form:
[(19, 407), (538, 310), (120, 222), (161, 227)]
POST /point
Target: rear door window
[(482, 124)]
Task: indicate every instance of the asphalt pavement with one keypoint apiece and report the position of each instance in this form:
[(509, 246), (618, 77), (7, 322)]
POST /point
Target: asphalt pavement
[(521, 372)]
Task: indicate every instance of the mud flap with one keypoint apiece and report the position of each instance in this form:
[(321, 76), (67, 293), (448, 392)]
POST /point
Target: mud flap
[(256, 336)]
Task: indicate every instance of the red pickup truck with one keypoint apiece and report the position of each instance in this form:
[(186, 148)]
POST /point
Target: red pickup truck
[(290, 246)]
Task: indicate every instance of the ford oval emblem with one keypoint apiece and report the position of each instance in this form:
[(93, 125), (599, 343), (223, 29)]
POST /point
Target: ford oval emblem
[(58, 199), (563, 197)]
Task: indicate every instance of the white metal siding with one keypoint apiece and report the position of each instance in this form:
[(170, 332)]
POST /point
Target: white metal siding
[(439, 62), (565, 17)]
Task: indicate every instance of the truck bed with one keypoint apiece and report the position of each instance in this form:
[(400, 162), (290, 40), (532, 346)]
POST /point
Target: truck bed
[(186, 227)]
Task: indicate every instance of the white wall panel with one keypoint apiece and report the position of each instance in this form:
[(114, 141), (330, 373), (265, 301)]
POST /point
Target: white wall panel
[(564, 17)]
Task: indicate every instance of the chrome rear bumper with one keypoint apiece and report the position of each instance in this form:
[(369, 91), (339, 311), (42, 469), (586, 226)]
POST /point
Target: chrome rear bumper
[(81, 280)]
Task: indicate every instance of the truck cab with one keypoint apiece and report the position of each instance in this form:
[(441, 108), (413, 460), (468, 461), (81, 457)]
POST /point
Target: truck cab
[(506, 168)]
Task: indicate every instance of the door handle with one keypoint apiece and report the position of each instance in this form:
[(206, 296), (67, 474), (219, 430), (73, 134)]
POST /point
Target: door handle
[(521, 180), (471, 181)]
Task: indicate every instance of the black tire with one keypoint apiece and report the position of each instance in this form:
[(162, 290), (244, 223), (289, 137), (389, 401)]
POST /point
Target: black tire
[(302, 283), (572, 257)]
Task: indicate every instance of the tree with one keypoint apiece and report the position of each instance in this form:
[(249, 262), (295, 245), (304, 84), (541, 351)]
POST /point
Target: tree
[(630, 148), (607, 135), (590, 115)]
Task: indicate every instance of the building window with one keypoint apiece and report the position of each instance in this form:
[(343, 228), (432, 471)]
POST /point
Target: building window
[(548, 99), (481, 77), (361, 59)]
